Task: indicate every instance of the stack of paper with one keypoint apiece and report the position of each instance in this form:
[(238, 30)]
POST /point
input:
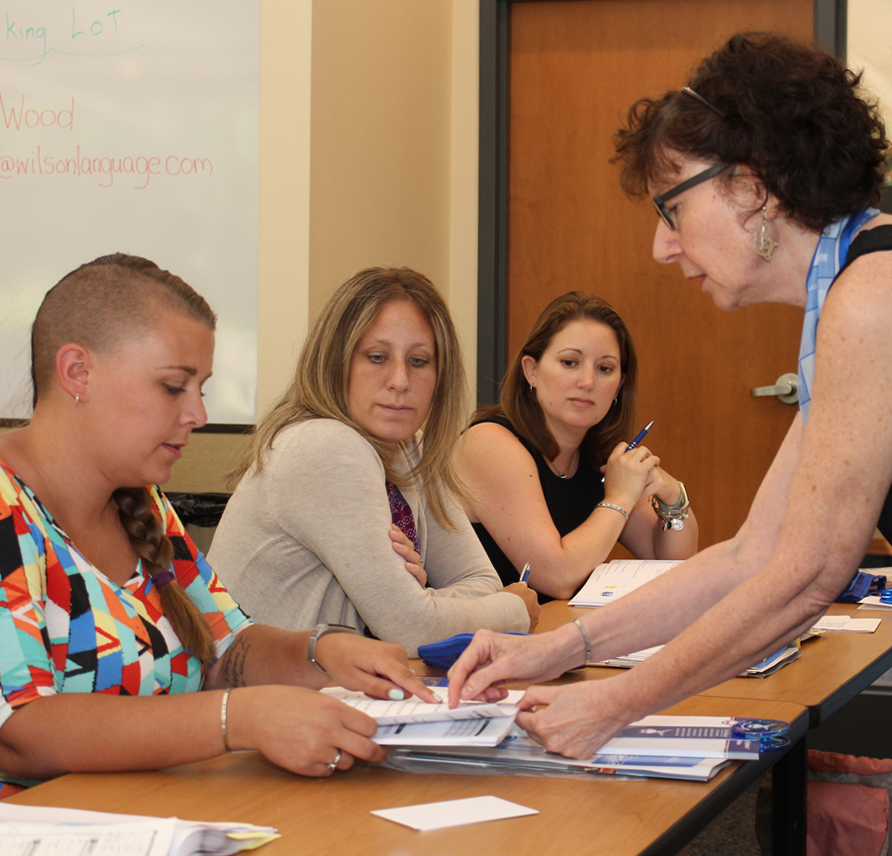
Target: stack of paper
[(35, 830), (679, 747), (416, 723), (612, 580)]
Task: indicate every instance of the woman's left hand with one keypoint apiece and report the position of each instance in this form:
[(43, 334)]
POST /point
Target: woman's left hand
[(574, 721), (379, 669), (663, 486), (405, 548)]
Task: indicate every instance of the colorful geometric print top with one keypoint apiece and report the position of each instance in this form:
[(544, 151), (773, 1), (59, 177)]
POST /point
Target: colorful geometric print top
[(65, 627)]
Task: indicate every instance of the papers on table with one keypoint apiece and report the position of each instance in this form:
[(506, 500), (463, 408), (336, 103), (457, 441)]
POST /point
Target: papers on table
[(762, 669), (682, 736), (35, 830), (441, 815), (479, 737), (417, 723), (612, 580), (658, 757), (847, 624), (873, 601), (676, 747)]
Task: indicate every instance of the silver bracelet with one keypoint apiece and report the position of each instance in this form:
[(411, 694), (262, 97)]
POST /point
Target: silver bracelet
[(673, 516), (223, 706), (614, 507), (585, 640), (318, 632)]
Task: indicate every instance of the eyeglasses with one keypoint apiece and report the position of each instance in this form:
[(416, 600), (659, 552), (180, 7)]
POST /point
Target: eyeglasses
[(660, 201)]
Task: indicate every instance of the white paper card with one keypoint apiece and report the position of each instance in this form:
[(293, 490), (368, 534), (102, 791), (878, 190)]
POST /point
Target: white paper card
[(846, 624), (441, 815)]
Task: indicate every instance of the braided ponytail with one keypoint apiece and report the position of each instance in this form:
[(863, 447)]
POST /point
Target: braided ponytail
[(156, 551)]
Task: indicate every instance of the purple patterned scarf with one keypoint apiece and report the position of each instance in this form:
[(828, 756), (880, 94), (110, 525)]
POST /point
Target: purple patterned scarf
[(401, 514)]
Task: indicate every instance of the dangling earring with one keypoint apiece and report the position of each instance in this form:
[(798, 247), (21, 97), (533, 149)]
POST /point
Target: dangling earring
[(532, 387), (616, 399), (764, 243), (77, 400)]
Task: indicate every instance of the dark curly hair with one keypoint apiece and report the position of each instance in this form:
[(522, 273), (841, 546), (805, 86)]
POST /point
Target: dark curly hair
[(518, 402), (790, 112)]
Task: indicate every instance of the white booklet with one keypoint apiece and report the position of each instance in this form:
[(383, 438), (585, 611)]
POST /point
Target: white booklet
[(38, 830), (683, 737), (611, 580), (413, 722)]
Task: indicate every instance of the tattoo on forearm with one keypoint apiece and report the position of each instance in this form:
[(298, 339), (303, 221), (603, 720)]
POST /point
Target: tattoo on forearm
[(234, 661)]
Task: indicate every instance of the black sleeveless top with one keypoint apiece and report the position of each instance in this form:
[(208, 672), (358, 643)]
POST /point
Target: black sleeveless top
[(872, 241), (570, 501)]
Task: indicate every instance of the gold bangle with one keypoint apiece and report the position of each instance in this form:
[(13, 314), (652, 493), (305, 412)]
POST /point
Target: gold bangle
[(223, 706)]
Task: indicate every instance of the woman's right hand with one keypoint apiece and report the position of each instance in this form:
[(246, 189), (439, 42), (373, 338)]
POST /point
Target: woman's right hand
[(530, 601), (299, 729), (494, 659), (627, 474)]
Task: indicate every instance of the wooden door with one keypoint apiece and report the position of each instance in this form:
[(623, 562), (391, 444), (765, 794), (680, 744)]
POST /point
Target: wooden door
[(575, 67)]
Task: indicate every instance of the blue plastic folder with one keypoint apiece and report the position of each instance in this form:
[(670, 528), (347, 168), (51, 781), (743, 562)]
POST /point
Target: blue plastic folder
[(444, 653)]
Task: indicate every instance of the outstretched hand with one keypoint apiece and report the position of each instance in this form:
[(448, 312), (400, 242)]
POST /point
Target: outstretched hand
[(574, 720), (304, 731), (379, 669), (495, 659)]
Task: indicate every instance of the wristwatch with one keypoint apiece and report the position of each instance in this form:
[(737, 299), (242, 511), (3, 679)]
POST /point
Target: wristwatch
[(318, 632)]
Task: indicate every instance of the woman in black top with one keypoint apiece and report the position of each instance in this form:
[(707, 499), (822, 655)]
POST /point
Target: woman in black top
[(534, 462)]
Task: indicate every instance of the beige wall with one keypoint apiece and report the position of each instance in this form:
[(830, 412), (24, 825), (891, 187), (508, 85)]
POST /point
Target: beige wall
[(368, 156)]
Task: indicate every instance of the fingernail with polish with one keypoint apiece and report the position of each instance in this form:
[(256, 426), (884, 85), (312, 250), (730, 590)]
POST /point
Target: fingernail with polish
[(396, 695), (437, 697)]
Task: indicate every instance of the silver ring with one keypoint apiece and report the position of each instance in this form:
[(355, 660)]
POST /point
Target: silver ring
[(334, 764)]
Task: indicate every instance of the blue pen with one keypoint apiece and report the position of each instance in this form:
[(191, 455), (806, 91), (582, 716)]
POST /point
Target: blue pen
[(641, 435), (525, 573)]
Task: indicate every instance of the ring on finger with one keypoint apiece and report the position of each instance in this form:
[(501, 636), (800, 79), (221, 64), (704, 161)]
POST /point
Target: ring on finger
[(334, 764)]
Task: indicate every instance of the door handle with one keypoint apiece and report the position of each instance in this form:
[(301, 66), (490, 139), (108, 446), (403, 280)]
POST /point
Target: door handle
[(787, 389)]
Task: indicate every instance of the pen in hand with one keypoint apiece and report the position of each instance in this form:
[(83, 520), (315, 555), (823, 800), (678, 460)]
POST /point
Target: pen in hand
[(525, 573), (639, 437)]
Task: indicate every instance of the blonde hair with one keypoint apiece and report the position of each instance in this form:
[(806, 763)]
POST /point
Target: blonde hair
[(101, 304), (322, 376)]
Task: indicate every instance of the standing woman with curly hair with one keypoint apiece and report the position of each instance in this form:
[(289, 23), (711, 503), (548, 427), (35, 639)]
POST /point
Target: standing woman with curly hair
[(534, 462), (764, 170), (347, 506), (111, 621)]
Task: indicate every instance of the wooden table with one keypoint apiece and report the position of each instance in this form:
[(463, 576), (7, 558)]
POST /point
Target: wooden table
[(332, 816), (830, 672)]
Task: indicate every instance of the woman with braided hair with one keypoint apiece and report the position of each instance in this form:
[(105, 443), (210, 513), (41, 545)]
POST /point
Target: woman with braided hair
[(111, 621)]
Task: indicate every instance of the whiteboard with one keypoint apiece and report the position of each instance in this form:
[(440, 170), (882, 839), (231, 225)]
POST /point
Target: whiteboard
[(132, 126)]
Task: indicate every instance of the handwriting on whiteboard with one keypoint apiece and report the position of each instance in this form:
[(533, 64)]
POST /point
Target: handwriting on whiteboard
[(28, 38)]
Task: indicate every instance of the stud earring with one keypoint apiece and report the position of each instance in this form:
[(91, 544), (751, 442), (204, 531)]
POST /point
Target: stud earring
[(616, 399), (764, 243)]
